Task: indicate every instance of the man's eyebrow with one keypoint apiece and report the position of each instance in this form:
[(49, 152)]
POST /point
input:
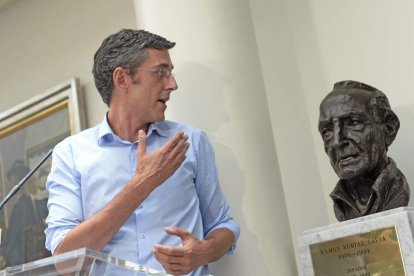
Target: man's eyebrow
[(165, 65)]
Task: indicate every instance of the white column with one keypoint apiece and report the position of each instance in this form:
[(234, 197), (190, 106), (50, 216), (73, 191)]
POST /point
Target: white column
[(221, 90)]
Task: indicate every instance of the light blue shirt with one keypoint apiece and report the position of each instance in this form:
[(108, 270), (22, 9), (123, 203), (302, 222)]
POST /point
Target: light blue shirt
[(91, 167)]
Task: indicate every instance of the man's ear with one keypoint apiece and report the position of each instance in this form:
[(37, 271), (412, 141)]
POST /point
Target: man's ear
[(392, 125), (120, 78)]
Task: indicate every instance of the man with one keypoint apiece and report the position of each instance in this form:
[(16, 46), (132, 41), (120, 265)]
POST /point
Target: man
[(357, 127), (136, 186)]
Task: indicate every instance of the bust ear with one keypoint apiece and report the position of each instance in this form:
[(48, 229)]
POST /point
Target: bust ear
[(392, 124)]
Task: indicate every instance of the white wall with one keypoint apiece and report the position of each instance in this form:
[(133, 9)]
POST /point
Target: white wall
[(46, 42)]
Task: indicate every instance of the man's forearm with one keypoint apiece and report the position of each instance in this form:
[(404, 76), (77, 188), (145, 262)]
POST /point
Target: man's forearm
[(220, 241), (95, 232)]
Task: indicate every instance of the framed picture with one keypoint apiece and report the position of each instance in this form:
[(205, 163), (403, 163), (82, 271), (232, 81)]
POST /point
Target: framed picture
[(27, 132)]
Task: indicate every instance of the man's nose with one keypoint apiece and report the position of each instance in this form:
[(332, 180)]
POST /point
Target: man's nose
[(172, 83)]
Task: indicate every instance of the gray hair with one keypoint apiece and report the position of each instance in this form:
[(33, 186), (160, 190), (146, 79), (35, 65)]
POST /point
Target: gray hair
[(128, 49)]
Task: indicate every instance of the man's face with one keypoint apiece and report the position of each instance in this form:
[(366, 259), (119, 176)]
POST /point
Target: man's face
[(354, 142), (148, 95)]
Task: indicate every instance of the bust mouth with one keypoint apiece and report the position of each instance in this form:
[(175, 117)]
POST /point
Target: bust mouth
[(348, 159)]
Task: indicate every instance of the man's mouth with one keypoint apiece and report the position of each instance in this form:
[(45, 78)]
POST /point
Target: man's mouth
[(162, 101)]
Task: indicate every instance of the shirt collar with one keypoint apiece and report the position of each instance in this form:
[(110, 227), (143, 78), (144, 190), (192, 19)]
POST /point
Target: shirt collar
[(160, 127), (106, 134)]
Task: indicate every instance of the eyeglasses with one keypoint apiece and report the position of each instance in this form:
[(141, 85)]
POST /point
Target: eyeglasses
[(163, 73)]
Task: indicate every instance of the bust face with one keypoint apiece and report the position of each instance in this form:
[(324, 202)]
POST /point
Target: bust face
[(353, 140)]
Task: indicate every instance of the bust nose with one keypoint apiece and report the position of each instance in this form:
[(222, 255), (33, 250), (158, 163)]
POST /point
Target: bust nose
[(338, 135)]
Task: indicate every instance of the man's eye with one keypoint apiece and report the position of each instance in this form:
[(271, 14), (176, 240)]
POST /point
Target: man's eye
[(160, 73)]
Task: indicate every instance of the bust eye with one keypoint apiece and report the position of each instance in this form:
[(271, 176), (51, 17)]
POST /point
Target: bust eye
[(326, 133), (354, 122)]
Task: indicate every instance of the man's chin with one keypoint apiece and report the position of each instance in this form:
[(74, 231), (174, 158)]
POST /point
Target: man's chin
[(159, 119)]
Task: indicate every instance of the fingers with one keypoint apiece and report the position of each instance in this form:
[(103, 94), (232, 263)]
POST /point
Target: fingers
[(177, 231), (161, 164), (178, 152), (176, 144), (171, 264), (142, 145), (172, 259), (183, 259), (171, 251)]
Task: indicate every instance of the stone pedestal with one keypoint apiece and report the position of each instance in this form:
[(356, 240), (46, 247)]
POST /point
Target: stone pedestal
[(402, 218)]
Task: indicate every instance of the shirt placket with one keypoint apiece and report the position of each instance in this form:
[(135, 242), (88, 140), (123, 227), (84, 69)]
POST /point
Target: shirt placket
[(141, 236)]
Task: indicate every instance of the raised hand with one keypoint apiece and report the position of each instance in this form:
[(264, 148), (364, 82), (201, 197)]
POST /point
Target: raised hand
[(160, 165)]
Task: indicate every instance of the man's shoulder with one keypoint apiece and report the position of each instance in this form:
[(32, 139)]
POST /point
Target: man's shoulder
[(87, 135)]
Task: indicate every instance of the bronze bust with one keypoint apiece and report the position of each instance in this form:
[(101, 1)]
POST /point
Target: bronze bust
[(357, 127)]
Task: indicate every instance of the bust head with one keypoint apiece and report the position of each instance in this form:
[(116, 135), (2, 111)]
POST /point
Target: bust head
[(357, 127)]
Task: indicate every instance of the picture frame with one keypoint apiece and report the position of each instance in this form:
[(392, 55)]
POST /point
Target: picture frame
[(28, 131)]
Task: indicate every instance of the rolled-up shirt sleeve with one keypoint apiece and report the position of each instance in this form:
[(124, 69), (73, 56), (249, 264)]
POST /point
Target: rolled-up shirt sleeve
[(214, 209), (65, 203)]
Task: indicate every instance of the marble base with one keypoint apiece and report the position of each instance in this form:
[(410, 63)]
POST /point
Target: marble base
[(402, 217)]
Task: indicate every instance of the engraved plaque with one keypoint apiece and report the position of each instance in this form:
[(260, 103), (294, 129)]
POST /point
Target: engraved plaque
[(375, 253)]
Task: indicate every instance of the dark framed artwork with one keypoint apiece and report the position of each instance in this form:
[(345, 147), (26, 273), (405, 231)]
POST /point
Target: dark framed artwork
[(27, 132)]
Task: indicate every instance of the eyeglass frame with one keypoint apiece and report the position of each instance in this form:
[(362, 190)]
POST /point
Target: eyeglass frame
[(163, 73)]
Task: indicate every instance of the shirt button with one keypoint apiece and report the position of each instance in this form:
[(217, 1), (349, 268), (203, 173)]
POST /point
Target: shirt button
[(143, 235), (134, 146)]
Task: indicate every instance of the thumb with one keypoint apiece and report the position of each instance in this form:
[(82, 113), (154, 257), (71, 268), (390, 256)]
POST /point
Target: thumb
[(142, 143), (179, 232)]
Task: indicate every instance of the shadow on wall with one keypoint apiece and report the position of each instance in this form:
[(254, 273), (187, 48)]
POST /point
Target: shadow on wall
[(200, 101), (402, 149), (247, 259)]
